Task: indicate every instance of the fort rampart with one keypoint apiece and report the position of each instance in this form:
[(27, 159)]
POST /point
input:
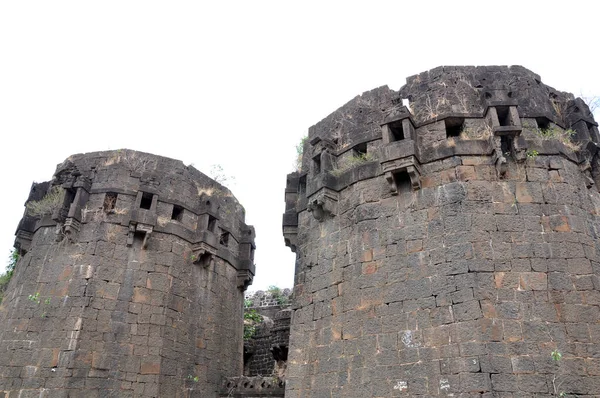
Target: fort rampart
[(447, 242), (131, 282)]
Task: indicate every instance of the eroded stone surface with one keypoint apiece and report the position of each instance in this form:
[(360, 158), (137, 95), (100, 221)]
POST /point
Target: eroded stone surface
[(459, 249), (139, 273)]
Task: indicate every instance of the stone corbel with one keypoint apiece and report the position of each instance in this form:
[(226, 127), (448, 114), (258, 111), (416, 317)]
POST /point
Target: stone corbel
[(290, 236), (408, 164), (71, 228), (320, 145), (203, 254), (413, 173), (139, 227), (23, 241), (244, 279), (323, 203)]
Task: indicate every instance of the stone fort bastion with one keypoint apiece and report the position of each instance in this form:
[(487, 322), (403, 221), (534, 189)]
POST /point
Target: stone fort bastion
[(447, 242), (131, 282)]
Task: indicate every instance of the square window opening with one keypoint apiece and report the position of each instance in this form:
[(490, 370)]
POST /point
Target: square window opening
[(360, 150), (212, 223), (317, 164), (110, 202), (146, 202), (177, 213), (454, 126), (397, 131), (543, 123), (403, 182), (503, 115), (224, 238)]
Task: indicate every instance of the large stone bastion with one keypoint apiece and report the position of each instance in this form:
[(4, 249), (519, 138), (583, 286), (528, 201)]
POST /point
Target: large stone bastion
[(447, 242), (130, 283)]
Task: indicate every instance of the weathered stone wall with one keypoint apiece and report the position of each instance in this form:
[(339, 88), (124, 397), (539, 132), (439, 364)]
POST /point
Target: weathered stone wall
[(264, 299), (449, 248), (133, 285), (266, 352)]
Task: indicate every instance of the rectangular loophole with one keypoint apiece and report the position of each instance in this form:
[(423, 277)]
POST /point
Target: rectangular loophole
[(110, 201), (177, 213), (503, 115), (69, 196), (397, 131), (212, 223), (454, 126), (146, 202), (506, 144), (302, 185), (317, 164), (403, 182), (224, 238)]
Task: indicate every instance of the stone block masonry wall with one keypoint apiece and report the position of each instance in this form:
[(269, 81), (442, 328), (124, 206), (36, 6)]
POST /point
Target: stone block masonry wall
[(131, 286), (265, 353), (447, 265)]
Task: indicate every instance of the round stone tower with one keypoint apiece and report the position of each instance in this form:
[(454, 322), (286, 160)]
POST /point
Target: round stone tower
[(130, 283), (446, 241)]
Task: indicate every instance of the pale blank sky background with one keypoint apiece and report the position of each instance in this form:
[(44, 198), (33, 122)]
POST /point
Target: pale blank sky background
[(239, 83)]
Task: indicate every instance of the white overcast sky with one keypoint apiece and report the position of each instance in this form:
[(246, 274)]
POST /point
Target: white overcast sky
[(239, 83)]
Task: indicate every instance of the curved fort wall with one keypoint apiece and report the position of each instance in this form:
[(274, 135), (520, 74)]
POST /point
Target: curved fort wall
[(446, 241), (131, 282)]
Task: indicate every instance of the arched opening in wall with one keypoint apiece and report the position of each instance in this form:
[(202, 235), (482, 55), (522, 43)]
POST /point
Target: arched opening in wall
[(177, 213), (110, 202), (503, 115), (454, 126), (146, 202), (402, 181), (397, 131)]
